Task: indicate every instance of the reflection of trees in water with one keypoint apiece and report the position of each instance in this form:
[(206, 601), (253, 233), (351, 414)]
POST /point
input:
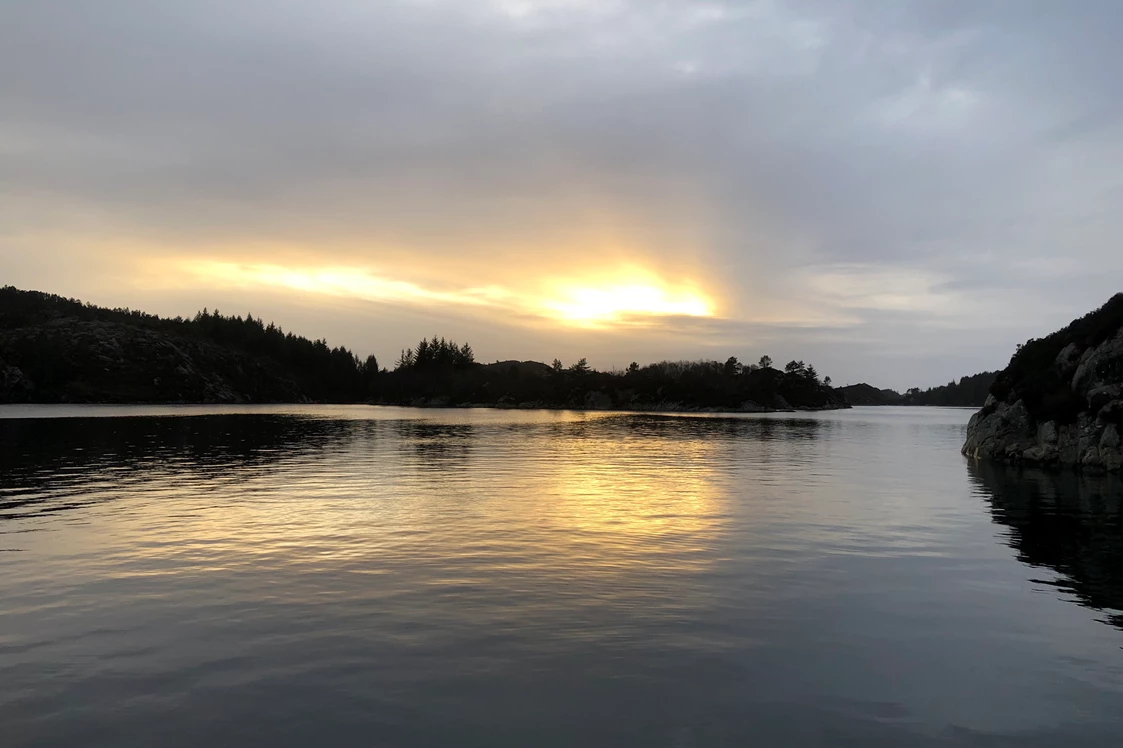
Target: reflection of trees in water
[(47, 463), (442, 446), (1064, 521), (437, 445), (693, 427)]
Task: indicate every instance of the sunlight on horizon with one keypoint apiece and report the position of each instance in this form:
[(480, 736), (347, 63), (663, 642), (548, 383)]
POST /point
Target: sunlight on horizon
[(626, 296), (615, 303)]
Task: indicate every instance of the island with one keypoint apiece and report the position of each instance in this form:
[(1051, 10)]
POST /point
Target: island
[(1059, 402)]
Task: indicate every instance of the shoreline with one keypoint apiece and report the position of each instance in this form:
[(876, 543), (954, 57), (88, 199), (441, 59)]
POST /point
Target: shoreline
[(660, 408), (667, 408)]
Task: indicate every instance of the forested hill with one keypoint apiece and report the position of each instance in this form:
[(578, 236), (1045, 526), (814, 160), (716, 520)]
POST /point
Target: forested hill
[(867, 394), (967, 392), (54, 349)]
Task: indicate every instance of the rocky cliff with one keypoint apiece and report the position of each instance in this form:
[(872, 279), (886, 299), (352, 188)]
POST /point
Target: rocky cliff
[(1060, 400)]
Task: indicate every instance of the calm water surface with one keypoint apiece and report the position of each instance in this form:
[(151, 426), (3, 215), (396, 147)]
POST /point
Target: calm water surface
[(282, 576)]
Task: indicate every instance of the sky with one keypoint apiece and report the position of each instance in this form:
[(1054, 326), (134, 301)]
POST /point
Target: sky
[(896, 192)]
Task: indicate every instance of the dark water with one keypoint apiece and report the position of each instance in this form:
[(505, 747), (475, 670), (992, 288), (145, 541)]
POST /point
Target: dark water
[(382, 577)]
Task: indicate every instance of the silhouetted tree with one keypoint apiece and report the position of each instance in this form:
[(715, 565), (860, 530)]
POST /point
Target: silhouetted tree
[(581, 367), (437, 353), (765, 362)]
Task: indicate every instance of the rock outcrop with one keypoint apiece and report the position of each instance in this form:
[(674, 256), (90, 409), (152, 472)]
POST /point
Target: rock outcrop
[(1060, 401)]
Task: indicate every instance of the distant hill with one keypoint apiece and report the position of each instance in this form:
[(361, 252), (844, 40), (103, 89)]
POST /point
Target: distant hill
[(530, 368), (967, 392), (867, 394)]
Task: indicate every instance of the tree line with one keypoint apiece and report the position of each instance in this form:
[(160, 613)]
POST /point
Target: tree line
[(968, 391), (435, 370)]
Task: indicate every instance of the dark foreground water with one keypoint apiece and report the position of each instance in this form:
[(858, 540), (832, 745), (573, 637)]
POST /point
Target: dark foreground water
[(382, 577)]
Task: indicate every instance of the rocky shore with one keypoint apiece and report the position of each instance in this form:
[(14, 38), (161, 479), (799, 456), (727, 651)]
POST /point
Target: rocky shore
[(1059, 407)]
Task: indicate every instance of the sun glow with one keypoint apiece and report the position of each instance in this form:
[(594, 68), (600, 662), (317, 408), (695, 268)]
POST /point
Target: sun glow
[(629, 296), (625, 302)]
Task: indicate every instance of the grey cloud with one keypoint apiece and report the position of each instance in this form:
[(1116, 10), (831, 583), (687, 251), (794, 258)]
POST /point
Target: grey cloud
[(979, 142)]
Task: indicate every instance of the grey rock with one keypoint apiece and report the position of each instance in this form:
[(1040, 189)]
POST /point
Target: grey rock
[(1005, 432), (1098, 364), (1040, 453), (1102, 395), (1069, 357), (1110, 437), (1087, 431), (1091, 458), (1112, 458)]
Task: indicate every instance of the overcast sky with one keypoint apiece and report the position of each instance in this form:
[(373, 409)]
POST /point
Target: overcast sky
[(897, 192)]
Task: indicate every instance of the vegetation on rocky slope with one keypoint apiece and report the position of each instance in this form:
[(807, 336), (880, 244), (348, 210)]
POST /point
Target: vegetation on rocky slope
[(1041, 377), (1060, 400)]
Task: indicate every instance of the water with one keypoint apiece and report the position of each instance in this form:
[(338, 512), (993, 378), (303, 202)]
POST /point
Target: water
[(284, 576)]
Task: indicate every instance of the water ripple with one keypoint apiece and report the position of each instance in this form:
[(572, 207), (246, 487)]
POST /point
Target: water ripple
[(282, 576)]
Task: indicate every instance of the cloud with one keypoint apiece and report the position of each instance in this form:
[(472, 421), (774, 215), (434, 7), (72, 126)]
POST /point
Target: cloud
[(812, 167)]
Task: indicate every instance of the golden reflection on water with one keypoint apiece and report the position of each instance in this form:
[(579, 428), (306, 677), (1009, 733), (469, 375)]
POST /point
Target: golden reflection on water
[(573, 501), (632, 490), (487, 568)]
